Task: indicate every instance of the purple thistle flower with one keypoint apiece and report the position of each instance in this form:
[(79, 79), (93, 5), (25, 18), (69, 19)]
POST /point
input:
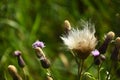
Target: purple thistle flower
[(95, 52), (38, 44)]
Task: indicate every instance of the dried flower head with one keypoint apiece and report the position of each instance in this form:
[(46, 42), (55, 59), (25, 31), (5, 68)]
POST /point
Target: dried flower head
[(81, 41), (38, 44)]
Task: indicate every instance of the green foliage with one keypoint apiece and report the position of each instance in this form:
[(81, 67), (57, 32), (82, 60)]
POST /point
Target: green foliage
[(24, 21), (88, 76)]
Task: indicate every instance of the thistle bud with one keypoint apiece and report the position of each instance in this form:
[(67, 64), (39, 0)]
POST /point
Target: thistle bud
[(13, 72), (45, 63), (67, 26), (21, 61), (118, 41), (19, 58), (110, 35), (114, 55), (39, 52)]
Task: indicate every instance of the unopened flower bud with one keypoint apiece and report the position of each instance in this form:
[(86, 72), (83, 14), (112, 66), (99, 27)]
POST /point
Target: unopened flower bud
[(13, 72), (118, 41), (67, 25), (45, 63), (110, 35), (21, 61), (19, 58), (39, 52), (114, 55)]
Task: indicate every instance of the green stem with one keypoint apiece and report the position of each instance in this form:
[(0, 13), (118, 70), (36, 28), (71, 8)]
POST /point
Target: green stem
[(80, 65), (89, 67), (24, 74), (76, 59), (80, 69), (49, 74), (99, 66), (109, 70)]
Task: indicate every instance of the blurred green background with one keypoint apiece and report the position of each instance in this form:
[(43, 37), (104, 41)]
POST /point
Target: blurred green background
[(22, 22)]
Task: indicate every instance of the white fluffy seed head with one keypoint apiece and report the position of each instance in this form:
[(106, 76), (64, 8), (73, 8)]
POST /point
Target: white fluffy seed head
[(83, 40), (77, 38)]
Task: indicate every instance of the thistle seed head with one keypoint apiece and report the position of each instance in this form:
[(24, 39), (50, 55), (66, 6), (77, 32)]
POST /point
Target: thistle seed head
[(81, 41)]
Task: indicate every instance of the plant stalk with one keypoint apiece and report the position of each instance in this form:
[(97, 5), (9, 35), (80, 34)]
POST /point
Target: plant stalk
[(80, 69)]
